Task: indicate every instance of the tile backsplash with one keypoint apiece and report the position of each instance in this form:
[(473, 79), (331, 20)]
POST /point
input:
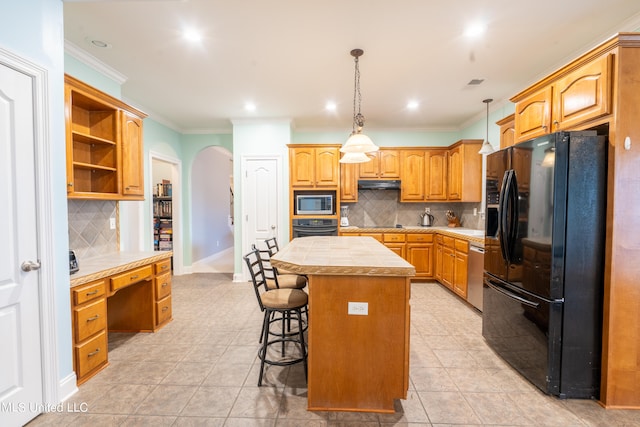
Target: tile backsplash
[(89, 231), (379, 208)]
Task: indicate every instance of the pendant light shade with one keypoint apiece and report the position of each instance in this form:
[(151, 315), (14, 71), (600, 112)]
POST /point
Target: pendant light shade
[(355, 158), (357, 142), (486, 148)]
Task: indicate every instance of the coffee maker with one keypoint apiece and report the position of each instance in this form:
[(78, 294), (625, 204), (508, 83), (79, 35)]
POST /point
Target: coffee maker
[(344, 212)]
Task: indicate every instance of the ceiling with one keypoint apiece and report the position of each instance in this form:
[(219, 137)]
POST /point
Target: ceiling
[(290, 57)]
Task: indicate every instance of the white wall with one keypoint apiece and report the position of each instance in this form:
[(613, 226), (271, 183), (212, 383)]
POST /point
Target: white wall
[(211, 202)]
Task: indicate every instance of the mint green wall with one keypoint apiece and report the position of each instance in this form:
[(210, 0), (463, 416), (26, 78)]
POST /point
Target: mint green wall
[(88, 75), (382, 138), (478, 130), (32, 29)]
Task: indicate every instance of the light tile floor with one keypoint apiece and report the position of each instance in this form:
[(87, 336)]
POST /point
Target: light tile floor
[(202, 370)]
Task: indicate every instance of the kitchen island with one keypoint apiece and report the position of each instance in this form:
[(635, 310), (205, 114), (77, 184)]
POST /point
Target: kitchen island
[(359, 319)]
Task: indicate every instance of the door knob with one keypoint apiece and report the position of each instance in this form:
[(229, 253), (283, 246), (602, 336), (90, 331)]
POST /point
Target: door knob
[(30, 266), (273, 227)]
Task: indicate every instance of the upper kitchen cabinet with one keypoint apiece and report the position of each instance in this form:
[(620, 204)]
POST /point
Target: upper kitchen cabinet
[(424, 175), (104, 145), (314, 166), (349, 182), (464, 174), (567, 101), (384, 164), (507, 131)]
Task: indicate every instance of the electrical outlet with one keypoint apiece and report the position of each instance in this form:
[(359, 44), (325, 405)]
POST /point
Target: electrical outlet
[(112, 223), (358, 308), (475, 211)]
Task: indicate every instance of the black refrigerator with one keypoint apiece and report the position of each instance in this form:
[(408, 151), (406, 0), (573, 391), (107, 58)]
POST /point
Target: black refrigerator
[(544, 260)]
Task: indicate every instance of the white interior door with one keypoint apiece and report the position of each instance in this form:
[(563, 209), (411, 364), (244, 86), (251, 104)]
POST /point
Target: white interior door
[(20, 358), (261, 198)]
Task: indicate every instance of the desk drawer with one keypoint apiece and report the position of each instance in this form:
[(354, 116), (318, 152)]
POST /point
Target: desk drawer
[(163, 266), (91, 355), (131, 277), (163, 285), (163, 310), (88, 292), (90, 319)]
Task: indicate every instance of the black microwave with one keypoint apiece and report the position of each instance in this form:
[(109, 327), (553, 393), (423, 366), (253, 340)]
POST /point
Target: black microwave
[(314, 203)]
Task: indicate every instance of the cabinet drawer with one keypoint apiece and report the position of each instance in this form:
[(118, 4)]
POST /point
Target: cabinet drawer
[(90, 319), (420, 238), (163, 285), (462, 246), (163, 310), (91, 354), (448, 241), (130, 277), (88, 292), (163, 266), (394, 237), (377, 236)]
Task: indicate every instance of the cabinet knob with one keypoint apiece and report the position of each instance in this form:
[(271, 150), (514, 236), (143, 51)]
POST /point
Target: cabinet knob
[(70, 184)]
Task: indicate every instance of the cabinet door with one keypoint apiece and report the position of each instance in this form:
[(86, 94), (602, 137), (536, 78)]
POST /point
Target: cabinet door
[(533, 115), (436, 175), (413, 175), (326, 167), (460, 274), (448, 265), (398, 248), (584, 94), (454, 184), (389, 163), (348, 182), (438, 262), (132, 153), (371, 168), (420, 255), (302, 167), (507, 131)]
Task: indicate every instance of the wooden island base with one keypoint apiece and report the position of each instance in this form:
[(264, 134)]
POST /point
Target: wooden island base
[(359, 319), (358, 362)]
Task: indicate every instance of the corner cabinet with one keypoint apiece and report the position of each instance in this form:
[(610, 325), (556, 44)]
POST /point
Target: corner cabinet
[(104, 145)]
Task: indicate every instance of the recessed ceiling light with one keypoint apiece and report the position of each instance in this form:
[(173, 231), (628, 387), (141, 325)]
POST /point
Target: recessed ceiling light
[(331, 106), (412, 105), (475, 30), (192, 35), (250, 106)]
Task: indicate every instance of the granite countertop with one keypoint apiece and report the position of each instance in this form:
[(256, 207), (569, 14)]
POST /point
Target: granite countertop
[(344, 256), (113, 263), (469, 234)]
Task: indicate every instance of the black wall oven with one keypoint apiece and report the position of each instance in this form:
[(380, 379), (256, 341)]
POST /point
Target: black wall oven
[(303, 227)]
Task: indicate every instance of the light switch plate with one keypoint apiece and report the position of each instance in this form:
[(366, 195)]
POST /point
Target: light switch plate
[(358, 308), (112, 223)]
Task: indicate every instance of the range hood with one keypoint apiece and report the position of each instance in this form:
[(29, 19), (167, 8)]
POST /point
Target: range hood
[(378, 184)]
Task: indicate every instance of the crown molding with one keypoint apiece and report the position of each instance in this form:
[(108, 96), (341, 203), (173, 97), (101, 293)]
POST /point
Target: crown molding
[(90, 60)]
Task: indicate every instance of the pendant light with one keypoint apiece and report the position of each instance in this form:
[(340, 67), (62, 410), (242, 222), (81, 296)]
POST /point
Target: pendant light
[(486, 148), (357, 142), (353, 157)]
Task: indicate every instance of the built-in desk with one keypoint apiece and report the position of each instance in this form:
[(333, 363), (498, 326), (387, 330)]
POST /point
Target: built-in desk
[(359, 319), (123, 292)]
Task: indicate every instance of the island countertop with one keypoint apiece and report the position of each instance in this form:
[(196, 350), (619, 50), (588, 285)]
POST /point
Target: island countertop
[(343, 256)]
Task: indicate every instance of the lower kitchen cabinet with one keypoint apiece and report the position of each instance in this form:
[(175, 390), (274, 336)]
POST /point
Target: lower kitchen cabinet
[(420, 253), (460, 268), (451, 264)]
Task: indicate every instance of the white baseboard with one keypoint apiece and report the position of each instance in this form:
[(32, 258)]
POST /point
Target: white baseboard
[(67, 387), (238, 278)]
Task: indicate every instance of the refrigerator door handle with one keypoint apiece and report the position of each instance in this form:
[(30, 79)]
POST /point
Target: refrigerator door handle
[(503, 220), (511, 294), (514, 213)]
